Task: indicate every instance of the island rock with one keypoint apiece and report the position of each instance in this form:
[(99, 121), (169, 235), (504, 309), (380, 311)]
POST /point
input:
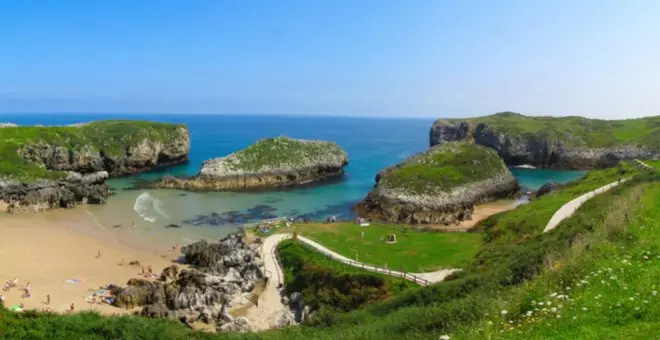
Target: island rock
[(556, 142), (269, 163), (439, 186)]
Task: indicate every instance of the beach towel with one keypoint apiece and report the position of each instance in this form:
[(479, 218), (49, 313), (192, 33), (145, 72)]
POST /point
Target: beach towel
[(72, 281), (16, 308)]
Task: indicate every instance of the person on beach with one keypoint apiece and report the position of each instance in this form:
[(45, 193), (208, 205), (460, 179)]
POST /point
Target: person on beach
[(98, 254), (27, 290), (93, 298), (48, 299), (2, 299), (72, 308)]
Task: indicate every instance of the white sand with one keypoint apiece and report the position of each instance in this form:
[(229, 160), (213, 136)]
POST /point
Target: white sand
[(45, 251)]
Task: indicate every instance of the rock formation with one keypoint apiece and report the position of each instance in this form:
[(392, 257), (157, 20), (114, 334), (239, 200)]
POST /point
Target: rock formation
[(141, 155), (439, 186), (16, 196), (223, 274), (559, 143), (269, 163), (547, 188), (61, 166)]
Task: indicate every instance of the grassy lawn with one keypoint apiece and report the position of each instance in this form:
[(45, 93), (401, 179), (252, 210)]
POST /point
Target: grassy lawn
[(415, 251)]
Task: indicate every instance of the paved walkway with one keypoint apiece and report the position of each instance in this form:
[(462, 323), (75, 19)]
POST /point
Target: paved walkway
[(569, 208), (265, 315)]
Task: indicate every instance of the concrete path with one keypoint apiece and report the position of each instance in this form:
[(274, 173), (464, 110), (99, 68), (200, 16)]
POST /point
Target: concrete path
[(270, 308), (569, 208)]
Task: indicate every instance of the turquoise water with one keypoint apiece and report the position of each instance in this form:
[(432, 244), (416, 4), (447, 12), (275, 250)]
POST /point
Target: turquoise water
[(372, 144)]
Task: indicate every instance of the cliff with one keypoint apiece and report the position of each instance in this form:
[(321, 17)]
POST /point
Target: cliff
[(60, 166), (269, 163), (558, 143), (439, 186)]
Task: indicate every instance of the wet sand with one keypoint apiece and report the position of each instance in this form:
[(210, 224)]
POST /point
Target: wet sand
[(46, 250)]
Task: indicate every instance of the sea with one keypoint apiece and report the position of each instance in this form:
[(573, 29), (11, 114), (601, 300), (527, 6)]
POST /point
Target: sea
[(136, 217)]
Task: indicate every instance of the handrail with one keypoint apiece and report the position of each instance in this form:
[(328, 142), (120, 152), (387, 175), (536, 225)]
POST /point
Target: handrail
[(376, 269)]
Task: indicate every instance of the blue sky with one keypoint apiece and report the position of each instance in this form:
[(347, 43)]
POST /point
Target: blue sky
[(435, 58)]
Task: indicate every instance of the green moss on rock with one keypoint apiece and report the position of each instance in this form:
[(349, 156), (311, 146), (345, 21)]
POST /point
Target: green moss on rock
[(109, 138), (443, 168)]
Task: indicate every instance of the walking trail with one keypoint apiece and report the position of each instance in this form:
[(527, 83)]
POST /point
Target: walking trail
[(569, 208), (270, 309)]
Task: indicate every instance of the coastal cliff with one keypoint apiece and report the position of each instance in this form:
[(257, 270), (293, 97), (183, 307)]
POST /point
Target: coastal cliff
[(574, 143), (60, 166), (439, 186), (269, 163)]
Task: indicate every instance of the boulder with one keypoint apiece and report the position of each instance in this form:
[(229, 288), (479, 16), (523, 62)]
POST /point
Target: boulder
[(547, 188)]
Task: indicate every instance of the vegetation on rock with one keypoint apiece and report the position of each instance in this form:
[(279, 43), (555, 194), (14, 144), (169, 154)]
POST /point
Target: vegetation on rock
[(443, 168), (556, 142), (278, 154), (574, 130), (108, 138)]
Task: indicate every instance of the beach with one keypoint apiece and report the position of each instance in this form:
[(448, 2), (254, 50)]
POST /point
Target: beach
[(46, 250)]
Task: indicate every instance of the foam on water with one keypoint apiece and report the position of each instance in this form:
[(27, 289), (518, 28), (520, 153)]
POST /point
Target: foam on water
[(147, 207)]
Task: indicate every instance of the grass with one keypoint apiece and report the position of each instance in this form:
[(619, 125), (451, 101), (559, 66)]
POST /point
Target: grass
[(576, 131), (109, 137), (618, 225), (605, 287), (326, 283), (442, 168), (284, 152), (414, 251), (512, 224)]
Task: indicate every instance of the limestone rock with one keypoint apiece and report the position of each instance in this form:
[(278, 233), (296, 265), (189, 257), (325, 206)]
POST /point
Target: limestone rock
[(267, 164), (439, 186), (549, 142), (221, 273)]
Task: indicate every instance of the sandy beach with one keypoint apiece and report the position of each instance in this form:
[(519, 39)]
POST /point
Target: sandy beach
[(43, 250)]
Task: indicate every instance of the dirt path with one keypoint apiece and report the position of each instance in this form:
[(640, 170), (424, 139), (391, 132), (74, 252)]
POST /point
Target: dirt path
[(569, 208)]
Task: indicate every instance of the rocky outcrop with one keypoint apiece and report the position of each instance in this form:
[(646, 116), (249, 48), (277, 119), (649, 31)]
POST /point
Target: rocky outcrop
[(553, 146), (269, 163), (61, 166), (439, 186), (46, 194), (547, 188), (142, 155), (222, 274)]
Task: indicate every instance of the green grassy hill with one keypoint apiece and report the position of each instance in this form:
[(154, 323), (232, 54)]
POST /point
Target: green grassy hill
[(576, 131), (598, 270), (110, 137), (442, 168)]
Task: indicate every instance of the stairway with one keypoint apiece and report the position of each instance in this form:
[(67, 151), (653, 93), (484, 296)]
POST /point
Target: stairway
[(254, 298)]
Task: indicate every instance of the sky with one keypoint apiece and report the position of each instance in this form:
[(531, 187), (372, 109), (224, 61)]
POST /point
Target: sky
[(427, 58)]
